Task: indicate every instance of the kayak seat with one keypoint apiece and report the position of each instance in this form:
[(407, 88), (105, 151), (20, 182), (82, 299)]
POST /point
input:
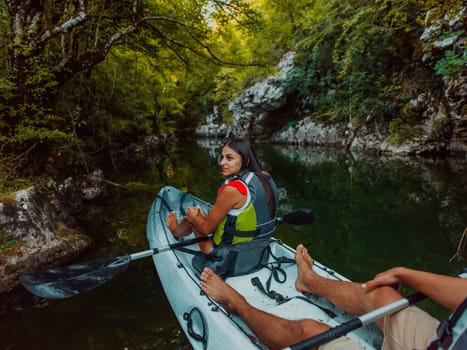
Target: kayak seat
[(234, 259)]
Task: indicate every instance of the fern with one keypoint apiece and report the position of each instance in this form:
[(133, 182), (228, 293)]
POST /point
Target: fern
[(452, 64)]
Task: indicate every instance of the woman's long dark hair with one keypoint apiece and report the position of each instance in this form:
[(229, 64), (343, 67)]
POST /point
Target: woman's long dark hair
[(250, 163)]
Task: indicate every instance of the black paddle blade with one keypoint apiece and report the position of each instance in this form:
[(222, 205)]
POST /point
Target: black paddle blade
[(299, 217), (66, 281)]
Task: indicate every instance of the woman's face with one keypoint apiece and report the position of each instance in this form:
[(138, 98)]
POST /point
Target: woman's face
[(231, 161)]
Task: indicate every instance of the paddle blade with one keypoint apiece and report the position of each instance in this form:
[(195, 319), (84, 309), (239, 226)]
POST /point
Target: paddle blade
[(299, 217), (66, 281)]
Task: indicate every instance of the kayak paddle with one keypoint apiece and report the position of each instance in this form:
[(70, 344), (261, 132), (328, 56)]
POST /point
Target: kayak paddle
[(357, 322), (66, 281)]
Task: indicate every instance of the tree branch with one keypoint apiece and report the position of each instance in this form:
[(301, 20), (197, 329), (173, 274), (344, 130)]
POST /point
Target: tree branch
[(67, 25), (199, 42)]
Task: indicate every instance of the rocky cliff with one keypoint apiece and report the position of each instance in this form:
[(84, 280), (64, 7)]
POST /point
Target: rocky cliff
[(266, 111)]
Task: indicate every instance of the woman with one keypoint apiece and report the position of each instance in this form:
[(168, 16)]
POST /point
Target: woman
[(245, 207)]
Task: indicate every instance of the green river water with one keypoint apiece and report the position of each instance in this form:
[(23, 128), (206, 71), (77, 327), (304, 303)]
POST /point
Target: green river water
[(371, 214)]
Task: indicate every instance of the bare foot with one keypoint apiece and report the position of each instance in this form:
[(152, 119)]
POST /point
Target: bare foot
[(172, 224), (178, 230), (220, 291), (304, 269)]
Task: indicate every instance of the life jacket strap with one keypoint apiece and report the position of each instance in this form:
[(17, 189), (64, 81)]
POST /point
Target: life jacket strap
[(444, 331)]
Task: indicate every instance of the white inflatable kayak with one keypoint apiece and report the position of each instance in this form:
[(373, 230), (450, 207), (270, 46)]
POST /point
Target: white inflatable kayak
[(208, 325)]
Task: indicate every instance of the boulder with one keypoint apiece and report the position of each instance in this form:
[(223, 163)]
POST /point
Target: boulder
[(36, 229)]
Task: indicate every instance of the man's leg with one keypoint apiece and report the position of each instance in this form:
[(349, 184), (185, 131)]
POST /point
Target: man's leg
[(348, 296), (273, 331)]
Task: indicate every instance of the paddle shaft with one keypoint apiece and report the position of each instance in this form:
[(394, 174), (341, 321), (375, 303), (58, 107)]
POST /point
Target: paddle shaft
[(184, 243), (357, 322)]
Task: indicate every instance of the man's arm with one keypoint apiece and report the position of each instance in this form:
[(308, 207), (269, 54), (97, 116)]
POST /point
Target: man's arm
[(446, 290)]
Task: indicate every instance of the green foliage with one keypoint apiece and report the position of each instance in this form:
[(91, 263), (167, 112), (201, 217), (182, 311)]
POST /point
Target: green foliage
[(441, 129), (10, 181), (351, 56), (28, 133), (6, 94), (228, 83), (184, 57), (6, 89), (405, 127), (400, 132), (452, 64), (357, 96), (303, 77), (41, 126), (5, 36), (251, 52), (135, 87), (161, 49), (40, 78), (8, 244)]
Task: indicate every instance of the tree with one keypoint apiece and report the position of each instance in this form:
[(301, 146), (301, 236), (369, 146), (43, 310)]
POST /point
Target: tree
[(50, 42)]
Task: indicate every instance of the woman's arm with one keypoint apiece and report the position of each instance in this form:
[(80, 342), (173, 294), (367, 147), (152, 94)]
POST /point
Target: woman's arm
[(447, 290), (228, 199)]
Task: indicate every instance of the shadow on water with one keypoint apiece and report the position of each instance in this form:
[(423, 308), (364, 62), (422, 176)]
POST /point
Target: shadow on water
[(371, 214)]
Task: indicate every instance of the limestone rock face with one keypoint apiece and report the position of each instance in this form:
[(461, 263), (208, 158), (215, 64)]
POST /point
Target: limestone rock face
[(307, 132), (441, 35), (252, 108), (459, 137), (36, 229), (214, 126), (266, 111)]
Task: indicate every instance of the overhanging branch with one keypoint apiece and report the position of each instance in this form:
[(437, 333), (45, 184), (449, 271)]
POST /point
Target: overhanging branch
[(65, 27), (199, 42)]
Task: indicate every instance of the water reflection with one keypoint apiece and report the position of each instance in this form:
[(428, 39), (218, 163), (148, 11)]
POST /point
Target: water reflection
[(371, 204), (371, 213)]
